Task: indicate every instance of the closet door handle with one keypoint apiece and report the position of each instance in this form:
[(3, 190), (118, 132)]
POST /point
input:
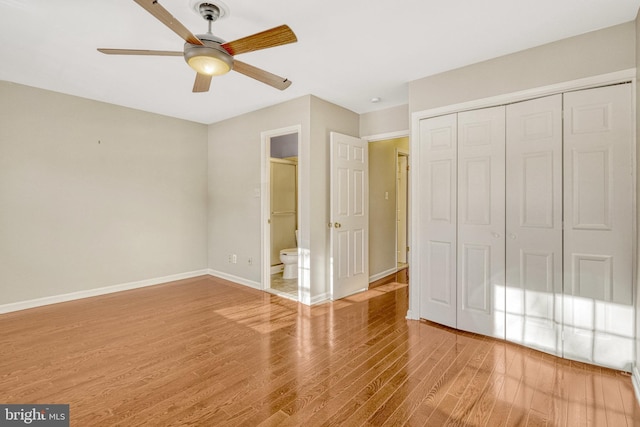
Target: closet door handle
[(496, 235), (512, 236)]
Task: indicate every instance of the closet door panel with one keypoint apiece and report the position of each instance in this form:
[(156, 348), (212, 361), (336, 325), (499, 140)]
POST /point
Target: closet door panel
[(534, 223), (438, 183), (598, 245), (481, 221)]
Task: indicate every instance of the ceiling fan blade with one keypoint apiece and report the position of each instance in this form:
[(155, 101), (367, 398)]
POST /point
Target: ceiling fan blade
[(202, 83), (140, 52), (261, 75), (274, 37), (154, 8)]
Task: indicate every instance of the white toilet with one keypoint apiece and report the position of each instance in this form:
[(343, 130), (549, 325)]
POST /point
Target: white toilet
[(289, 258)]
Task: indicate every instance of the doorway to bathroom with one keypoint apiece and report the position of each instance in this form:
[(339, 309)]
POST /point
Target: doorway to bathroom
[(280, 212)]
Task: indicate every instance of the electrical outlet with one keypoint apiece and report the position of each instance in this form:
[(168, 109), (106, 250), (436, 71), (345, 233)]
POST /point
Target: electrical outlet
[(234, 259)]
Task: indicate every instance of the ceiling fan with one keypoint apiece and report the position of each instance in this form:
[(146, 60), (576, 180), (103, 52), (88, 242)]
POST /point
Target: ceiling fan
[(209, 55)]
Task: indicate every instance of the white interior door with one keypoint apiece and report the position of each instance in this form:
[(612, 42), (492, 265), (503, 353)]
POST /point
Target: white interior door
[(598, 236), (401, 207), (437, 187), (349, 215), (481, 221), (534, 223)]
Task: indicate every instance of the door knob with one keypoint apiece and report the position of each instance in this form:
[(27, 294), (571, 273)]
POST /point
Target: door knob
[(496, 235), (512, 236), (337, 225)]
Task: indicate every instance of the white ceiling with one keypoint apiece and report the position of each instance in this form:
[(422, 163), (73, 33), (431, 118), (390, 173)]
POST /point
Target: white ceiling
[(348, 51)]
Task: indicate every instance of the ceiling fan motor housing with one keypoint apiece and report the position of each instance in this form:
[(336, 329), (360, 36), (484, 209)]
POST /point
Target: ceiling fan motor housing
[(209, 11)]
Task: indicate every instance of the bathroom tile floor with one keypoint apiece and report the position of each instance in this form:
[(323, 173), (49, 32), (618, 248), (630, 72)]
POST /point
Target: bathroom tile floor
[(289, 286)]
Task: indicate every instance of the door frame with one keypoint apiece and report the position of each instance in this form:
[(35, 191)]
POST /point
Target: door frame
[(265, 205), (628, 75), (403, 153), (394, 135)]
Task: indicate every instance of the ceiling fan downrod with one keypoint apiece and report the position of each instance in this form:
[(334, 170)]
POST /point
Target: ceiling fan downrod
[(210, 12)]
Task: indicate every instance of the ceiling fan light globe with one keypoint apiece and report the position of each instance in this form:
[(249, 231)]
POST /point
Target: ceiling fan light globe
[(210, 59), (209, 65)]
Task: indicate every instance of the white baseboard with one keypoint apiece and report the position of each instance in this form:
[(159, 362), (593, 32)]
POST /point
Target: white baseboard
[(412, 316), (320, 299), (235, 279), (383, 274), (54, 299), (635, 380)]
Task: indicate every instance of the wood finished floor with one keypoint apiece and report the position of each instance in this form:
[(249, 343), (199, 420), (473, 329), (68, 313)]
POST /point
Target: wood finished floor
[(206, 352)]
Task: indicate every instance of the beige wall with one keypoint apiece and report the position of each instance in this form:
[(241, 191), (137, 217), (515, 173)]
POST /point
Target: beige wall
[(234, 183), (598, 52), (382, 212), (94, 195), (234, 179), (395, 119)]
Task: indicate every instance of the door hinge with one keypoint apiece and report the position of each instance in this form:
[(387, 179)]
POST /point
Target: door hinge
[(408, 167), (407, 248)]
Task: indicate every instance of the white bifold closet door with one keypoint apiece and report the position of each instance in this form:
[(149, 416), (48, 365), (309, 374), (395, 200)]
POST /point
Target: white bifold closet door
[(438, 226), (598, 235), (534, 223), (481, 221), (533, 242)]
